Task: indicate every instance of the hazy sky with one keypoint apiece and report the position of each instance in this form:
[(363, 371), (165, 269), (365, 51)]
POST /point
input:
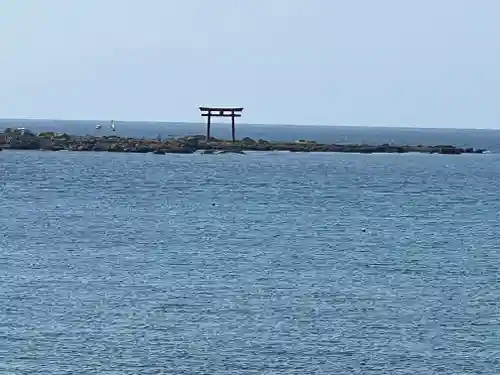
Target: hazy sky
[(340, 62)]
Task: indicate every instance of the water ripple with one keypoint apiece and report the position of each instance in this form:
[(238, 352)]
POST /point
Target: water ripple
[(257, 264)]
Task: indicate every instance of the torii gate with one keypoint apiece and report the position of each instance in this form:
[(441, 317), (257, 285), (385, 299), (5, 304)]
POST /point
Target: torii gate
[(210, 112)]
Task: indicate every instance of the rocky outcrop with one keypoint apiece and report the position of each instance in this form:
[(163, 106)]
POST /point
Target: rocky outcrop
[(23, 139), (248, 141)]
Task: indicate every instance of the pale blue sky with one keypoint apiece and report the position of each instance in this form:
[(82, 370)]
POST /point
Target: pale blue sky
[(341, 62)]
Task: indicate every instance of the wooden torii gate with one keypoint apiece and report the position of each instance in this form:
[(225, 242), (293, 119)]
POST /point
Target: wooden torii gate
[(210, 112)]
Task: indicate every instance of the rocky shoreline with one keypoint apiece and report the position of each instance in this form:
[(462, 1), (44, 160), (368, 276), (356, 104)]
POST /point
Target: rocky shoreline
[(22, 139)]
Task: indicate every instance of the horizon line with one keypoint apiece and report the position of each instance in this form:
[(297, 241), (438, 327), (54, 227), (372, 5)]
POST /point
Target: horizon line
[(409, 127)]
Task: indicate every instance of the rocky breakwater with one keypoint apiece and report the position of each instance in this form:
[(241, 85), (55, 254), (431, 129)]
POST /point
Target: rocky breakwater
[(17, 139), (248, 144), (22, 139)]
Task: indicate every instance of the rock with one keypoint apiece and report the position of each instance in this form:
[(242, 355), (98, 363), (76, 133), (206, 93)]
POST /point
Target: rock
[(62, 136), (191, 142), (180, 150), (449, 150), (19, 131), (248, 141), (115, 148), (25, 145), (262, 147), (56, 148), (143, 149), (232, 152), (20, 138), (198, 137), (45, 134)]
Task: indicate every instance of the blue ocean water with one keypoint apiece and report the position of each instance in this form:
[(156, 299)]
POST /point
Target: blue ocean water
[(266, 263)]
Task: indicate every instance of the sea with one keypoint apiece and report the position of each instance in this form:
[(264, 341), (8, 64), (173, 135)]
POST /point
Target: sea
[(265, 263)]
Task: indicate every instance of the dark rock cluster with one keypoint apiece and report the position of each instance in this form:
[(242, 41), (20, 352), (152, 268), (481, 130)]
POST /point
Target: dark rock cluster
[(23, 139)]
